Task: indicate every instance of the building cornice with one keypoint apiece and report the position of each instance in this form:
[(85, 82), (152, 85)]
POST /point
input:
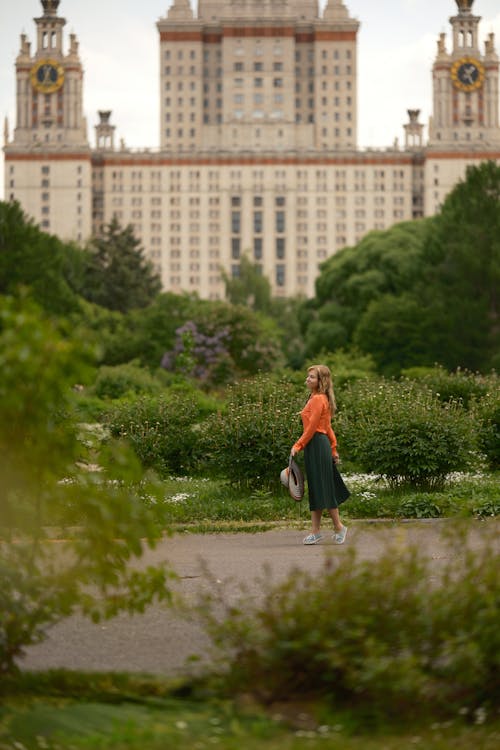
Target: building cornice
[(216, 35), (457, 154), (160, 159), (15, 155)]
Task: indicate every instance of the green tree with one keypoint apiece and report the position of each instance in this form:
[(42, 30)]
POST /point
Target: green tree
[(42, 486), (251, 288), (398, 332), (285, 313), (462, 267), (118, 276), (151, 331), (51, 269), (252, 339), (421, 293), (383, 263)]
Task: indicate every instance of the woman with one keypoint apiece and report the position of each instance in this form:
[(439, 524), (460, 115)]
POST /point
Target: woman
[(320, 452)]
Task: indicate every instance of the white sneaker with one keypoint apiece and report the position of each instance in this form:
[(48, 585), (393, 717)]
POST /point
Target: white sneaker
[(339, 536), (312, 539)]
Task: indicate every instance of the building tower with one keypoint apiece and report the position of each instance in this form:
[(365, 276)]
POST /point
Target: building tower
[(414, 131), (48, 165), (465, 86), (464, 128), (104, 131), (258, 75)]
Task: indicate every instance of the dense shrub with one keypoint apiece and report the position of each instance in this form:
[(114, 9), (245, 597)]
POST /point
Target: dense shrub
[(250, 442), (121, 380), (487, 422), (348, 367), (460, 385), (90, 408), (404, 433), (369, 635), (163, 431)]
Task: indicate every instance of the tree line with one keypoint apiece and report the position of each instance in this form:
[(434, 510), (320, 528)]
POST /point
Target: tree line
[(420, 293)]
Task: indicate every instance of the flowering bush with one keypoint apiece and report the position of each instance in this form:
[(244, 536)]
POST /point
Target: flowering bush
[(461, 385), (404, 432), (250, 442), (162, 431), (222, 342), (198, 355)]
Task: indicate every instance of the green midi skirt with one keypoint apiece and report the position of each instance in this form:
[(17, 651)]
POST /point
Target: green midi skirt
[(325, 485)]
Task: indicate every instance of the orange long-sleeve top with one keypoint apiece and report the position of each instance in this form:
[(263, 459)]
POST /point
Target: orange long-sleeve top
[(316, 417)]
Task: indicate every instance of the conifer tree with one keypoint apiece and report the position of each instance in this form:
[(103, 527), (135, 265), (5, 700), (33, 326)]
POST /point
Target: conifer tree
[(118, 276)]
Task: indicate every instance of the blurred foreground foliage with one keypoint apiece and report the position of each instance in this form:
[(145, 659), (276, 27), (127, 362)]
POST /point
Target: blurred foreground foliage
[(398, 638), (47, 479)]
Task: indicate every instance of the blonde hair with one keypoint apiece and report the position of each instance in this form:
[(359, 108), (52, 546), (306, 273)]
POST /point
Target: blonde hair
[(325, 384)]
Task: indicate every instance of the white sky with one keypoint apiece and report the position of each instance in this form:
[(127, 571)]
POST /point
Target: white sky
[(119, 50)]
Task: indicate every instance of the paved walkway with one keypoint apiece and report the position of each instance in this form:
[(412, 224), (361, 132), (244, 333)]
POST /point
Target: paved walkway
[(160, 640)]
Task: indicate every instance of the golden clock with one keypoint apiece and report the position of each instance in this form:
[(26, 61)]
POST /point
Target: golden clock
[(467, 74), (47, 76)]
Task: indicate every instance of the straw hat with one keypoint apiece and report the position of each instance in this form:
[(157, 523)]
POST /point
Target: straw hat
[(293, 480)]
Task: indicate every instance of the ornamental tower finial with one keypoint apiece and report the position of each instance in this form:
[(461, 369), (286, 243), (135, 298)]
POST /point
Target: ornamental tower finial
[(464, 6), (50, 7)]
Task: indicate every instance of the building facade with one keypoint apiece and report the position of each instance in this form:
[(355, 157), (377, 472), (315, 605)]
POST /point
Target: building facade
[(258, 142)]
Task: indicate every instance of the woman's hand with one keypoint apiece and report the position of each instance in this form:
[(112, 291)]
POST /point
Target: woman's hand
[(293, 452)]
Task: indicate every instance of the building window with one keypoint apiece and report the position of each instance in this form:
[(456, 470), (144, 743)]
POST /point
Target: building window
[(235, 222), (257, 248), (280, 247), (280, 222), (257, 222), (280, 275)]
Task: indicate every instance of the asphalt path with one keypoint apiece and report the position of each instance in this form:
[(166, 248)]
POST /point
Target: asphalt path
[(161, 640)]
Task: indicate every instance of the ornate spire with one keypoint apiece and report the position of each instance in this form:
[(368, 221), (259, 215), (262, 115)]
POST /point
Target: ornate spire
[(50, 7), (335, 11), (464, 6), (180, 10)]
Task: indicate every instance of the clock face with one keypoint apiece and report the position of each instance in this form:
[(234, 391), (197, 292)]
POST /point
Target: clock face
[(47, 76), (467, 74)]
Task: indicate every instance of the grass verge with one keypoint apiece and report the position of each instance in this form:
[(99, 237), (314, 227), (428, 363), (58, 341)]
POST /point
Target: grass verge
[(70, 710), (207, 506)]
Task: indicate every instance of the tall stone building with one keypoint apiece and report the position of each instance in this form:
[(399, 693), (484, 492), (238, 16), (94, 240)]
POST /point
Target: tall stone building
[(258, 141)]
